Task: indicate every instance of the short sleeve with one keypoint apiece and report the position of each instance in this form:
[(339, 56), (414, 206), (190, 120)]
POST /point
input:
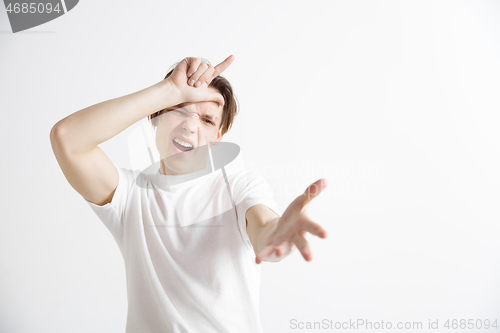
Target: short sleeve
[(111, 214), (249, 189)]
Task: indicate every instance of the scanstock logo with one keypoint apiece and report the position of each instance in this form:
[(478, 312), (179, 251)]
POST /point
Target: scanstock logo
[(26, 15)]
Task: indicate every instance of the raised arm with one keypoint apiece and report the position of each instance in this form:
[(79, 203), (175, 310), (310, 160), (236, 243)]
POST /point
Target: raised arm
[(75, 139)]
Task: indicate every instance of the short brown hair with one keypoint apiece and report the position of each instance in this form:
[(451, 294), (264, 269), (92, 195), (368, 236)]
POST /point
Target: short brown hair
[(222, 85)]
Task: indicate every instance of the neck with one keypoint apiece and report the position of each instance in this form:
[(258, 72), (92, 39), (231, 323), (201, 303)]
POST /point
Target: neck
[(164, 170)]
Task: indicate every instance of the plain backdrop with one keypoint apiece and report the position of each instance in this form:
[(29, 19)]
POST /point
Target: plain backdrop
[(395, 103)]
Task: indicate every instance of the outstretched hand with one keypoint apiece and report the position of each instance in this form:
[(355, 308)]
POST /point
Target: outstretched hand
[(191, 78), (293, 225)]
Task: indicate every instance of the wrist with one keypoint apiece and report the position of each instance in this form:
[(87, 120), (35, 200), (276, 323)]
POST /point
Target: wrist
[(264, 236), (170, 95)]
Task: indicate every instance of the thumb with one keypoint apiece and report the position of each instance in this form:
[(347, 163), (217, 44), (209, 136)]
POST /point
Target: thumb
[(216, 97)]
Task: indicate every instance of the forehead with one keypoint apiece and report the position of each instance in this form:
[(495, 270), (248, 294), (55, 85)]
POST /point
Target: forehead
[(203, 108), (211, 109)]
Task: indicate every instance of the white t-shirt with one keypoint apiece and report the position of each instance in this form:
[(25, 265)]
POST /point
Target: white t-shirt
[(190, 266)]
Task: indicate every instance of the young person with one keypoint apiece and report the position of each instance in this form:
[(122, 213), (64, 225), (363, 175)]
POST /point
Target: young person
[(191, 260)]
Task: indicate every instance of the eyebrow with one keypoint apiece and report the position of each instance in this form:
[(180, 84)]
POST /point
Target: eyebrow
[(209, 116)]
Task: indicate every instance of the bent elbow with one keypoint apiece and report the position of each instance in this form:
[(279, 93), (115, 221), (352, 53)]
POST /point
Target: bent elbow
[(56, 132)]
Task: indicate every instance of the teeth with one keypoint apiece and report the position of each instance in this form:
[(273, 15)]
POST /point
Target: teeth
[(182, 143)]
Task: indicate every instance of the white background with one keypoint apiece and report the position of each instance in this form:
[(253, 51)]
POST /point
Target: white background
[(395, 103)]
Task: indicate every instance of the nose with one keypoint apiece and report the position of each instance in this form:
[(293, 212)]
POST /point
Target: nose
[(190, 124)]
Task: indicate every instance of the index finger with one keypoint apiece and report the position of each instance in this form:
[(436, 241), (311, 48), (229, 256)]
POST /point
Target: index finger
[(313, 227), (313, 191), (223, 65)]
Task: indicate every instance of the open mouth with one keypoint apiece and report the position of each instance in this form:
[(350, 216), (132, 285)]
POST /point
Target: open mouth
[(181, 145)]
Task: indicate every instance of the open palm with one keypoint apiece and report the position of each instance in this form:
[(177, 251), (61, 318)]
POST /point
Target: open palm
[(293, 225)]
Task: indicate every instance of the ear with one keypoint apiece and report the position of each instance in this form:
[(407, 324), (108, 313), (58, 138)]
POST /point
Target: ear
[(219, 135)]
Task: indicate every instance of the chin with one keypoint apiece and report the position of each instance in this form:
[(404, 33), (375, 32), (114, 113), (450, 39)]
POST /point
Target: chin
[(182, 164), (179, 166)]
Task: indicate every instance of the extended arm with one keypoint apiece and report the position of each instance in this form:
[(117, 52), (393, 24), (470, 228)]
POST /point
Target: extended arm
[(275, 237), (261, 223)]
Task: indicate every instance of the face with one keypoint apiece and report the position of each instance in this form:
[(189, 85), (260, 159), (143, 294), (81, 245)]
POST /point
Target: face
[(189, 124)]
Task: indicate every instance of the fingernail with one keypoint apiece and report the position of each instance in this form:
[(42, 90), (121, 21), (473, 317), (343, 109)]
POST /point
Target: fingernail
[(191, 82), (198, 83)]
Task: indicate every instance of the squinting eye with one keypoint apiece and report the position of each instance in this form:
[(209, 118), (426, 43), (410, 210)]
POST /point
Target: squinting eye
[(210, 122)]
